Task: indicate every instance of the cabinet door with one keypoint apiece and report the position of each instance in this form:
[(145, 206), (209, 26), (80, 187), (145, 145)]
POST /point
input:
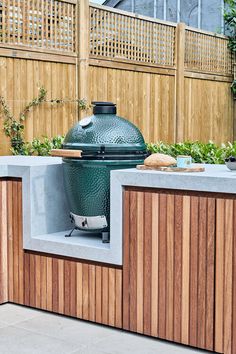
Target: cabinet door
[(169, 255), (225, 278)]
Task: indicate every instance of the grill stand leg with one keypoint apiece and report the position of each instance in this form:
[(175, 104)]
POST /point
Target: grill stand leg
[(69, 235), (105, 237)]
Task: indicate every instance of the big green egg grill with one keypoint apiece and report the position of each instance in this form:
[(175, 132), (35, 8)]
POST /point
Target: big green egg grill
[(108, 142)]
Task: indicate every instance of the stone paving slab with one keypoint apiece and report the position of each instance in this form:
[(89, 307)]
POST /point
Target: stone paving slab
[(28, 331)]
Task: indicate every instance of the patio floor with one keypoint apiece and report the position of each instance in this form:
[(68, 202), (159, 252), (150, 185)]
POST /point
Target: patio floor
[(24, 330)]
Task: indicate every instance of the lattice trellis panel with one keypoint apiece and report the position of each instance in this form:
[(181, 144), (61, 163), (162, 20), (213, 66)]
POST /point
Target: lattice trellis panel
[(120, 36), (207, 53), (45, 24)]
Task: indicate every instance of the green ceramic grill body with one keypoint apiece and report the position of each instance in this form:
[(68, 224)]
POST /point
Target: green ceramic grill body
[(108, 143), (88, 185)]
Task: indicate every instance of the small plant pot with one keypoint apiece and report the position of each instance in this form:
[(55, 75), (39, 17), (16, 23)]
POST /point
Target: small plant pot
[(231, 163)]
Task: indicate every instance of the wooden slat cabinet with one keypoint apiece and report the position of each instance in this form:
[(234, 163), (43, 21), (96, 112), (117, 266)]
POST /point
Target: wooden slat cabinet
[(90, 291), (178, 279), (179, 267)]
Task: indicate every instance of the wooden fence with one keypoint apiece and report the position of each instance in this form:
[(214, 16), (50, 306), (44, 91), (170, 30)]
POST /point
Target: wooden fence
[(172, 81)]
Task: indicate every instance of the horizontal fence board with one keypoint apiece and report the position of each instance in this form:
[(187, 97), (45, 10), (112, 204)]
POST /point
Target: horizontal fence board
[(131, 66), (22, 53), (208, 76)]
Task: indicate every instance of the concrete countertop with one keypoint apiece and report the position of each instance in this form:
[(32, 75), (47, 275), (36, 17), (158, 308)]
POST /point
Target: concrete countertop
[(46, 211), (215, 178)]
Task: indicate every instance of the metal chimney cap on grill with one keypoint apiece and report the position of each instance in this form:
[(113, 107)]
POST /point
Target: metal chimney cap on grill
[(104, 107)]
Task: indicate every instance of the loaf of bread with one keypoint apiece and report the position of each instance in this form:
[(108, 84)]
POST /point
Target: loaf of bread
[(159, 160)]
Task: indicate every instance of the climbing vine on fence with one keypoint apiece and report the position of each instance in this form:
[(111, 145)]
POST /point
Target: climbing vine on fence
[(230, 23), (14, 127)]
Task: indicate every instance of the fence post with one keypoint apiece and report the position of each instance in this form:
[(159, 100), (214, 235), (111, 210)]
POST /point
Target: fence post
[(83, 32), (179, 90)]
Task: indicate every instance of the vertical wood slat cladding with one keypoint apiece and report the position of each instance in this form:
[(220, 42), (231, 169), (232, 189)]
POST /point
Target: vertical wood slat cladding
[(175, 238), (87, 291), (225, 315), (3, 243), (179, 269)]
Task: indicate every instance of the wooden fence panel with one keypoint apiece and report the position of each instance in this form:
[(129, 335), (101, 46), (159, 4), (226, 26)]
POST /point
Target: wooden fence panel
[(20, 81), (172, 81), (144, 98), (200, 106), (208, 111)]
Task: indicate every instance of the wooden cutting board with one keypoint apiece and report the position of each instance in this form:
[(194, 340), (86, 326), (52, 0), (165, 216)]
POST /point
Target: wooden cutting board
[(171, 169)]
